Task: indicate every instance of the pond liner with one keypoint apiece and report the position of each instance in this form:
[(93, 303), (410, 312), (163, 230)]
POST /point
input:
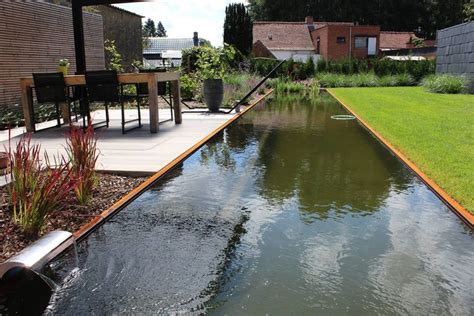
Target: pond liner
[(452, 204), (100, 219)]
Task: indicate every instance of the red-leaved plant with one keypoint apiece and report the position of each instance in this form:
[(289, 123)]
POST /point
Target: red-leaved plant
[(81, 148), (37, 187)]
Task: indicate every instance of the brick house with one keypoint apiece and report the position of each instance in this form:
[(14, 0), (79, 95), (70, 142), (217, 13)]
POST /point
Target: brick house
[(284, 40), (328, 40), (342, 40)]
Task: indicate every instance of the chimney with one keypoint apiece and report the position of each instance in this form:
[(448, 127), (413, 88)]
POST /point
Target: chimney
[(309, 23), (195, 39)]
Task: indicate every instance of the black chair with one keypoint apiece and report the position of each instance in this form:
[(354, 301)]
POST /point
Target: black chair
[(51, 88), (164, 90), (103, 86)]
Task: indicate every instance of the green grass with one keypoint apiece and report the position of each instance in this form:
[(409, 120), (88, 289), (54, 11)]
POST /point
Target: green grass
[(435, 131)]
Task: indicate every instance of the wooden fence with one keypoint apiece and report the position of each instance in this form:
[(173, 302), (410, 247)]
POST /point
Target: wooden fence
[(33, 37)]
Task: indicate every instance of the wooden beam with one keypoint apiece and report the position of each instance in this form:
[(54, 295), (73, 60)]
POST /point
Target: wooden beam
[(99, 2)]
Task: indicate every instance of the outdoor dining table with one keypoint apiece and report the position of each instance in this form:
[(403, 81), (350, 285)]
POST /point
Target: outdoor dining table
[(151, 78)]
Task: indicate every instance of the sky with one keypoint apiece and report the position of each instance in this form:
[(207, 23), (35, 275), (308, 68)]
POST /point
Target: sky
[(181, 18)]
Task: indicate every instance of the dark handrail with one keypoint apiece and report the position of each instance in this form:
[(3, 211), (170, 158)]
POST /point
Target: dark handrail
[(255, 88)]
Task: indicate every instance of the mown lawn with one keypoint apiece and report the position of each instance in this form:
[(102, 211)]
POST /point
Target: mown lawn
[(435, 131)]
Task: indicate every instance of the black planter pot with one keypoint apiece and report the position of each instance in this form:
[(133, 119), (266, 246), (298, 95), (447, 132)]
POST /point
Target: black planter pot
[(213, 92)]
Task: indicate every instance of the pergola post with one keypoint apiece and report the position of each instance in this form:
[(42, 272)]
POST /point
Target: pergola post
[(78, 27)]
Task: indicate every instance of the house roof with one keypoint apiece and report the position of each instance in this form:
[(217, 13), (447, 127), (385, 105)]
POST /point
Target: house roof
[(283, 35), (396, 40), (158, 45), (125, 11)]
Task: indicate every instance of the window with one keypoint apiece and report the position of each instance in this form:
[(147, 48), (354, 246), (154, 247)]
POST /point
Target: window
[(318, 45), (360, 42), (340, 40)]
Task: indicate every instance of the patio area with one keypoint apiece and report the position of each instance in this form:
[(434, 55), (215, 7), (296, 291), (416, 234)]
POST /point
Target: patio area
[(138, 151)]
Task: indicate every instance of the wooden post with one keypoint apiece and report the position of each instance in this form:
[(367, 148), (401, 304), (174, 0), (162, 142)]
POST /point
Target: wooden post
[(65, 112), (26, 98), (175, 89), (153, 102)]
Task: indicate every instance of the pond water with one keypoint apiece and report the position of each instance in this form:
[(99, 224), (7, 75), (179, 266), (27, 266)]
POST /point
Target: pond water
[(285, 212)]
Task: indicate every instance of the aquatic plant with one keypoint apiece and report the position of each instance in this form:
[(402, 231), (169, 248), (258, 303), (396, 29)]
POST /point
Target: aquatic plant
[(81, 149)]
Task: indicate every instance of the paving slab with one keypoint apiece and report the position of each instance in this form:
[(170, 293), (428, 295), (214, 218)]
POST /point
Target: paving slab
[(137, 151)]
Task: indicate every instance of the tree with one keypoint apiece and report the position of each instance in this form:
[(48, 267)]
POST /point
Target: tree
[(238, 27), (149, 29), (160, 30), (469, 11)]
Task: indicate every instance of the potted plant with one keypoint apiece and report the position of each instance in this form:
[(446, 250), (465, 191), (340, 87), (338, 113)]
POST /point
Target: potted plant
[(212, 63), (63, 66)]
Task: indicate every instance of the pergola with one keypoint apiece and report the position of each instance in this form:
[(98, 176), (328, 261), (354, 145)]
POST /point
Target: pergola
[(151, 78), (78, 26)]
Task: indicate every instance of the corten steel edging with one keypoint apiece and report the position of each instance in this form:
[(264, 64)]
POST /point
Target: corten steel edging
[(100, 219), (458, 209)]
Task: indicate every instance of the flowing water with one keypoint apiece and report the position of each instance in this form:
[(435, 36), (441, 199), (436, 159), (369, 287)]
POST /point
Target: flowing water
[(286, 212)]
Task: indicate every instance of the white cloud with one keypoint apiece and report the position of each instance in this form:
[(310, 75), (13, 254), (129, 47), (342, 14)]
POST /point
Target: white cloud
[(182, 18)]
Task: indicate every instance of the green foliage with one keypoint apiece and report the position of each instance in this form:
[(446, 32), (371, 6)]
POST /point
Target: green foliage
[(81, 149), (37, 186), (238, 27), (468, 11), (190, 86), (283, 88), (112, 56), (417, 42), (445, 83), (343, 66), (237, 85), (149, 29), (160, 30), (209, 62), (64, 62), (207, 56), (290, 69), (416, 68), (332, 80)]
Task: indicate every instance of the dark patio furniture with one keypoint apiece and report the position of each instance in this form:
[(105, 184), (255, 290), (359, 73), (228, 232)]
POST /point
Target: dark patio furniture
[(103, 86), (51, 88)]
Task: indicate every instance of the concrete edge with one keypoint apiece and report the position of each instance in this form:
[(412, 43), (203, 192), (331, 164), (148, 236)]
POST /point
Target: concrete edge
[(100, 219), (455, 206)]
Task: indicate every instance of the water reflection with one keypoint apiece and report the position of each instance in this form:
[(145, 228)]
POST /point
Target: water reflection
[(330, 165), (286, 212)]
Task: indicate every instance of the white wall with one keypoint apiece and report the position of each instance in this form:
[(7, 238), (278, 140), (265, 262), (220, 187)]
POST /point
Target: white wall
[(299, 55)]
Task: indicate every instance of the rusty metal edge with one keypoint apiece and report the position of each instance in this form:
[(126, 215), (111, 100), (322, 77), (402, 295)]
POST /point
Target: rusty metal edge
[(455, 206), (98, 220)]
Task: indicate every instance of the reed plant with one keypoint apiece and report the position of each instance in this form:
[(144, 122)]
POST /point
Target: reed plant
[(37, 186), (81, 149), (445, 83)]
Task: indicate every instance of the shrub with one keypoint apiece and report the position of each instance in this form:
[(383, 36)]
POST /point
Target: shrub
[(190, 86), (331, 80), (237, 85), (81, 148), (417, 69), (445, 83), (343, 66), (35, 191), (208, 59)]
